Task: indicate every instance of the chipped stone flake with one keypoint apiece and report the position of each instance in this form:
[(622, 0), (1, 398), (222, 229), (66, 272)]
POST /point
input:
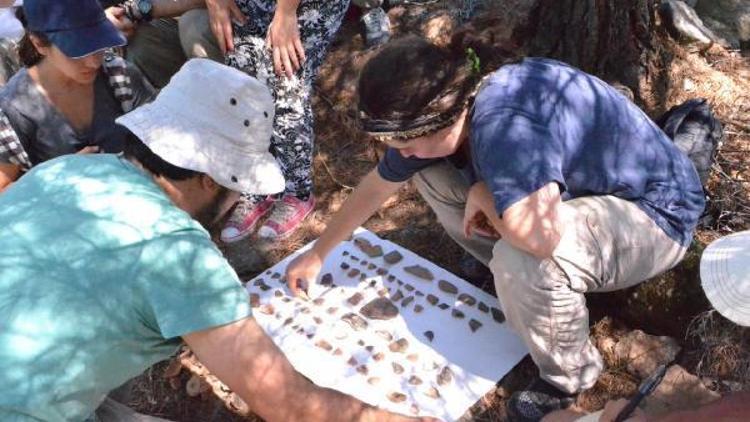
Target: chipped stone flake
[(355, 321), (432, 299), (498, 315), (429, 335), (420, 271), (415, 380), (447, 287), (474, 325), (467, 299), (397, 296), (254, 300), (380, 309), (432, 392), (399, 346), (355, 299), (418, 309), (397, 397), (457, 314), (353, 273), (373, 251), (393, 257), (324, 345), (397, 369), (407, 301), (443, 306), (326, 280), (445, 376)]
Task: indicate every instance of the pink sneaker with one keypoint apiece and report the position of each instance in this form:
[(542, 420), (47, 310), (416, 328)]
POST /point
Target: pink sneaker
[(244, 218), (286, 216)]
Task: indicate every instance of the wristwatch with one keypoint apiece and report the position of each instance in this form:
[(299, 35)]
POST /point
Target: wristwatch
[(139, 10)]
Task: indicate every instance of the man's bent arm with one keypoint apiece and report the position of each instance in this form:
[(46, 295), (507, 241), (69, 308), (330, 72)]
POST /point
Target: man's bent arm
[(242, 356)]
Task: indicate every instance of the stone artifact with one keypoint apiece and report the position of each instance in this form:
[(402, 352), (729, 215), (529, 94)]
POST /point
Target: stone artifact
[(397, 397), (391, 278), (324, 345), (474, 325), (445, 376), (399, 346), (278, 293), (429, 335), (380, 309), (254, 300), (432, 392), (377, 357), (332, 310), (397, 369), (407, 301), (432, 299), (355, 321), (318, 320), (318, 301), (326, 280), (381, 271), (393, 257), (467, 299), (483, 307), (397, 296), (353, 273), (498, 315), (338, 352), (371, 266), (276, 275), (419, 271), (267, 309), (409, 288), (418, 309), (373, 380), (413, 357), (344, 266), (373, 251), (447, 287), (457, 314), (415, 380), (352, 361), (384, 334), (444, 306), (362, 369), (355, 299)]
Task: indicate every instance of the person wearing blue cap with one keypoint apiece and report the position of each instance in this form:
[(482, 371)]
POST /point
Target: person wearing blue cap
[(67, 96)]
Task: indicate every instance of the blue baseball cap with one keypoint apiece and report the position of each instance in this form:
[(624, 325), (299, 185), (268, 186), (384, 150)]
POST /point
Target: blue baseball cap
[(77, 27)]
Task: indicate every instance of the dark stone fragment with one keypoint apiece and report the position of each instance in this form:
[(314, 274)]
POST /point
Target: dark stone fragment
[(432, 300), (397, 369), (354, 258), (443, 306), (483, 307), (326, 280), (268, 272), (267, 309), (286, 299), (276, 275), (353, 273), (445, 376), (418, 309), (393, 257), (288, 321), (498, 315), (474, 325), (362, 369), (399, 346), (415, 380), (355, 299), (397, 397), (381, 271), (345, 253), (324, 345), (319, 301), (370, 348), (362, 276), (254, 300), (258, 282), (447, 287), (383, 292), (378, 356), (409, 288), (391, 278), (429, 335), (344, 266), (419, 293), (278, 293), (332, 310), (373, 283), (338, 352), (373, 251), (397, 296), (363, 262), (355, 321), (352, 361), (318, 320), (371, 267), (467, 299), (400, 283), (407, 301), (310, 335), (361, 342), (457, 314), (380, 309), (419, 271)]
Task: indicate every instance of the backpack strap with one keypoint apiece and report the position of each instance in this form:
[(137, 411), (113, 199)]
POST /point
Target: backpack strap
[(116, 69)]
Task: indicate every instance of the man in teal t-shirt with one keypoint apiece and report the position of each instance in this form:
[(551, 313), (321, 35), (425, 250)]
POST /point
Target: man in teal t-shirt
[(105, 264)]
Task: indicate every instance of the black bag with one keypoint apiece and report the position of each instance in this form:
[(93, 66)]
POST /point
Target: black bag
[(696, 132)]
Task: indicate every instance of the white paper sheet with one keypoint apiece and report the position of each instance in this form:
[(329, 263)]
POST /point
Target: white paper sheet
[(356, 359)]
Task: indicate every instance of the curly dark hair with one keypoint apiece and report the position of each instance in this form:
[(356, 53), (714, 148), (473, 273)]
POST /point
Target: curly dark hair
[(28, 54), (413, 87)]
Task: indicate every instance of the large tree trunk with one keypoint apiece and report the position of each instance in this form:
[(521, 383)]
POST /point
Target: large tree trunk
[(612, 39)]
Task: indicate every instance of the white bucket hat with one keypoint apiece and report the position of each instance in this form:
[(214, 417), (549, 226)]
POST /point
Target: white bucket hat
[(725, 276), (216, 120)]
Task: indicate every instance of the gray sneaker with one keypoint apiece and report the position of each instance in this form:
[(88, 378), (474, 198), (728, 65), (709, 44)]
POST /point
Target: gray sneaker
[(377, 27)]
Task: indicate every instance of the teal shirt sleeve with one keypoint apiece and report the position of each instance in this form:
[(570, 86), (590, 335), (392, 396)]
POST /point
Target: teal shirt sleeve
[(189, 286)]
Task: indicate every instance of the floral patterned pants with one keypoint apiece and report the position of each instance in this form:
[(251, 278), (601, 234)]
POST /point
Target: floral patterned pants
[(292, 142)]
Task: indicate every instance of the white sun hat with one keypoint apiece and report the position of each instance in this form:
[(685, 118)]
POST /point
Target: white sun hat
[(216, 120), (725, 276)]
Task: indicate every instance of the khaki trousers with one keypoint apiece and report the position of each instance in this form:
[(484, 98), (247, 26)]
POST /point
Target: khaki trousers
[(160, 48), (610, 244)]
